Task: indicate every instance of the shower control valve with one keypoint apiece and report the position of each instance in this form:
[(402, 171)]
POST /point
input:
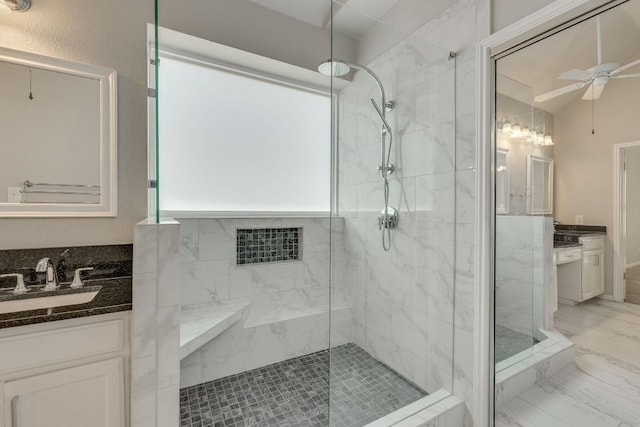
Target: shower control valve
[(386, 170), (388, 218)]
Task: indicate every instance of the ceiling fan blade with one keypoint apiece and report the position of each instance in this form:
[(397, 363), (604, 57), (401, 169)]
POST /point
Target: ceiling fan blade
[(552, 94), (626, 76), (624, 67), (593, 92), (576, 74)]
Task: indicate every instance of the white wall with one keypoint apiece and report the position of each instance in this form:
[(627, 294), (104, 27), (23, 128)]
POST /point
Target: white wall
[(111, 34), (633, 205), (505, 12), (584, 162)]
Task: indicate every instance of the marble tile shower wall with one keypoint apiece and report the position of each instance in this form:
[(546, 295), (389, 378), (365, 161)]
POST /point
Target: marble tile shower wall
[(402, 299), (524, 246), (280, 289)]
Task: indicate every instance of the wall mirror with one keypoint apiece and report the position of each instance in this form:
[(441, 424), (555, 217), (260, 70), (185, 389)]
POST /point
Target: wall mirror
[(502, 181), (539, 185), (58, 153)]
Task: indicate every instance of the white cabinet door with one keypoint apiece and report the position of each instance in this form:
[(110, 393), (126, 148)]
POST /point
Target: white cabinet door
[(592, 274), (82, 396)]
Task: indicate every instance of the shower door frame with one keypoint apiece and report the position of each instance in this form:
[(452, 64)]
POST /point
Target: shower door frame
[(552, 18)]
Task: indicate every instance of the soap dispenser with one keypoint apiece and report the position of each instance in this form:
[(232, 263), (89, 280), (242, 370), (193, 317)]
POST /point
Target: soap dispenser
[(77, 281)]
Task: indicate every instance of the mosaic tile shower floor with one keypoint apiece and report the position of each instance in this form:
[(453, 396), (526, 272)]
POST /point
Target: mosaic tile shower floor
[(509, 343), (293, 393)]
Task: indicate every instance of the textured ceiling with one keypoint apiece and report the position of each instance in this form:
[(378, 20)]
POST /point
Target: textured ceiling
[(538, 66)]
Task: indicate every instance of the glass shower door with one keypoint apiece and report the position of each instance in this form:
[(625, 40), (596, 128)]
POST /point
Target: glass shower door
[(392, 283), (519, 235)]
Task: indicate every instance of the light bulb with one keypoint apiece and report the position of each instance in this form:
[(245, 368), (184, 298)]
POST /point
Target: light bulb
[(506, 127), (548, 140), (516, 132), (526, 132)]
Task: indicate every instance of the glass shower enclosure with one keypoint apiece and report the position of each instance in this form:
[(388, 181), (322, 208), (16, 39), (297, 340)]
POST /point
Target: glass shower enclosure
[(523, 223), (309, 157)]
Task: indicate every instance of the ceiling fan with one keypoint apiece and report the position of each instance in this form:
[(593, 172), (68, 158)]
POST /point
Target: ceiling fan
[(596, 77)]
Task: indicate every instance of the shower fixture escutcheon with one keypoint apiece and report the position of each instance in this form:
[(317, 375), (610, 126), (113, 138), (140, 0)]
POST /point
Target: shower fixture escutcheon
[(386, 170), (388, 218)]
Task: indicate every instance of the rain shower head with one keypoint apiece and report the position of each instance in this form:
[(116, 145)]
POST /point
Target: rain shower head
[(335, 68)]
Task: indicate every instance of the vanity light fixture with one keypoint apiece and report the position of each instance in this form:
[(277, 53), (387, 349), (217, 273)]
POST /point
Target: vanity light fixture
[(548, 140), (6, 6), (539, 139), (506, 127), (516, 131)]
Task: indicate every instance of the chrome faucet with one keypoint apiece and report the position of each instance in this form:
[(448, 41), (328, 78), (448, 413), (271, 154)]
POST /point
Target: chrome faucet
[(46, 266)]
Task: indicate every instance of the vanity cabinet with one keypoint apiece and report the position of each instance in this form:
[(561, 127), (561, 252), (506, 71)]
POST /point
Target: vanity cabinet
[(86, 395), (580, 272), (70, 373), (592, 273)]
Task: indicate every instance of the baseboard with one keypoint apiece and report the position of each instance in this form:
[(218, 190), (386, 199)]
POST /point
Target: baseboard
[(607, 297), (633, 264)]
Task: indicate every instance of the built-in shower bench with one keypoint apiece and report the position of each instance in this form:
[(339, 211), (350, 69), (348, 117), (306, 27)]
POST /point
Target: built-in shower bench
[(198, 326)]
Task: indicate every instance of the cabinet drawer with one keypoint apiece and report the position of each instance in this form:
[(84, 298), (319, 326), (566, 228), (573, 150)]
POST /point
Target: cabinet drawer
[(60, 345), (592, 243), (564, 257)]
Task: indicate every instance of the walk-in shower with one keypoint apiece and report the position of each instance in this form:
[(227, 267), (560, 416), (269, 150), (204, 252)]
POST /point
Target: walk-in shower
[(389, 216), (295, 317)]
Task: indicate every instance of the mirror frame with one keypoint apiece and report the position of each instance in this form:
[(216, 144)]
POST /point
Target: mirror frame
[(107, 207), (507, 186), (531, 209)]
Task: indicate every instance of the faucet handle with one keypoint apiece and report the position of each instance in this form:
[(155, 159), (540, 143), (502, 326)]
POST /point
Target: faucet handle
[(20, 287), (77, 281)]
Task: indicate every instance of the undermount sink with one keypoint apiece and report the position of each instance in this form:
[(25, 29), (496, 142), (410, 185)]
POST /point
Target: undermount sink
[(36, 299)]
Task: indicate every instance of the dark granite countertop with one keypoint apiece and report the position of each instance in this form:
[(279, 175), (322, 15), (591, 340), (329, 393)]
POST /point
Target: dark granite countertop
[(114, 295), (560, 245), (112, 271), (579, 229)]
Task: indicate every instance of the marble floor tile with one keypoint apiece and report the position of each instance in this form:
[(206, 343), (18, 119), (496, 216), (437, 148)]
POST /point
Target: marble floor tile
[(602, 388)]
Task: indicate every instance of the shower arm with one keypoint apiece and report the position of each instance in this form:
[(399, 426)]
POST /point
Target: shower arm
[(378, 82), (384, 166)]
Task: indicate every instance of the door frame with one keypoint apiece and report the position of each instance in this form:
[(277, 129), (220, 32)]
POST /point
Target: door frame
[(619, 220), (552, 18)]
